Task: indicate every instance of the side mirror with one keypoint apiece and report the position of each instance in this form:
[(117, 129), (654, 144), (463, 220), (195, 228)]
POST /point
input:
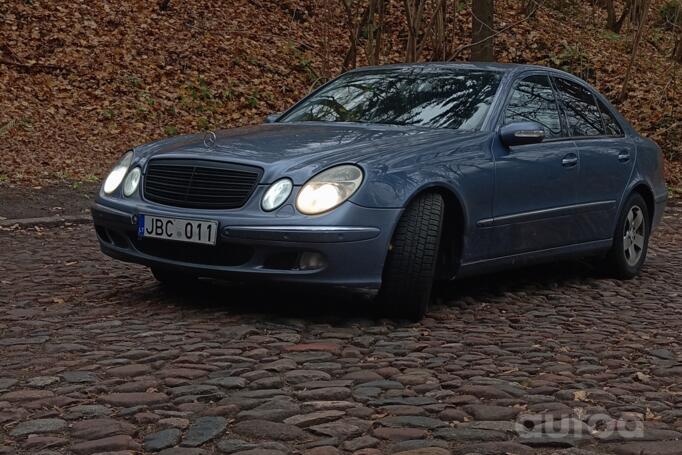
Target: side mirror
[(272, 118), (522, 133)]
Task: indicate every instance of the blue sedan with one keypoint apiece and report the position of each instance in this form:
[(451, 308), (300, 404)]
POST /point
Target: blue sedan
[(390, 178)]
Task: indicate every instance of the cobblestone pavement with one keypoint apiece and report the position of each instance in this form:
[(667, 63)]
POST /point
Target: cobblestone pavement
[(95, 357)]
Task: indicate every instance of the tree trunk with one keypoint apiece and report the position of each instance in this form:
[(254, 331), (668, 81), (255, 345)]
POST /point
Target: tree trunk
[(529, 7), (613, 24), (378, 39), (440, 42), (414, 10), (350, 61), (635, 10), (610, 14), (375, 27), (677, 25), (325, 24), (482, 31), (355, 28), (635, 46)]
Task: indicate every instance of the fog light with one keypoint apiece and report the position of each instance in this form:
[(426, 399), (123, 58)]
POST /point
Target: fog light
[(311, 261)]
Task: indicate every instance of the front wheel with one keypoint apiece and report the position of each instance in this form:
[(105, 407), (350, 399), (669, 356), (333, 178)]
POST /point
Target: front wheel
[(631, 240), (411, 262)]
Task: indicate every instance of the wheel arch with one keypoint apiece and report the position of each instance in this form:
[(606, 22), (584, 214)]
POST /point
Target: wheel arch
[(648, 195)]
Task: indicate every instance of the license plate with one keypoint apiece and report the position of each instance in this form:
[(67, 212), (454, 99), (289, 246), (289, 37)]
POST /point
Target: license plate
[(194, 231)]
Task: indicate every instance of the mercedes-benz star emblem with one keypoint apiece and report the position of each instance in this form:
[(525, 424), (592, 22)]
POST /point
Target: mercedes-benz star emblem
[(209, 139)]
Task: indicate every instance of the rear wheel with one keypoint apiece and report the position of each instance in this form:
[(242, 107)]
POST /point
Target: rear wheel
[(172, 278), (631, 240), (411, 262)]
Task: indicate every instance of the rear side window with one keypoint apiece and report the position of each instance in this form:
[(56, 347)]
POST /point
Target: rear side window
[(582, 114), (533, 100), (610, 123)]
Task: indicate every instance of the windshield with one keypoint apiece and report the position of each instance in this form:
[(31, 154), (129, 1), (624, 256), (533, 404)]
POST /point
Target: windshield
[(441, 98)]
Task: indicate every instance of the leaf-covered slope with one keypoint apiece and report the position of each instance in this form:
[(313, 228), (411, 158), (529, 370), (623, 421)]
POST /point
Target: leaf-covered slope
[(82, 81)]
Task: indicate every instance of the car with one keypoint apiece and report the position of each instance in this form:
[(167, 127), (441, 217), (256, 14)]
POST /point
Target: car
[(388, 179)]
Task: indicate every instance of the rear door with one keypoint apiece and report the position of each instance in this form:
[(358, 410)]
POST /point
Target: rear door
[(606, 157), (535, 185)]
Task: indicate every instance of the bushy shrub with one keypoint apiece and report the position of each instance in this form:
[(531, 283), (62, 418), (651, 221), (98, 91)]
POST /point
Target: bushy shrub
[(671, 13)]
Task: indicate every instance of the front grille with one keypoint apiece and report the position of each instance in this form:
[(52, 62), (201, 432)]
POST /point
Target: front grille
[(222, 254), (199, 183)]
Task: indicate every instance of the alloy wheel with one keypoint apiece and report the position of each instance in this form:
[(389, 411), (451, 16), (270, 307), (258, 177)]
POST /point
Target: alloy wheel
[(633, 235)]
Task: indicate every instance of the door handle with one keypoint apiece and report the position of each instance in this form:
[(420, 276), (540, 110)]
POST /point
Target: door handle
[(624, 157), (569, 160)]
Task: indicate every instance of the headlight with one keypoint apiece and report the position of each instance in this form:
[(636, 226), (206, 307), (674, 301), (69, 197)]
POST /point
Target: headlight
[(132, 181), (276, 194), (116, 175), (328, 189)]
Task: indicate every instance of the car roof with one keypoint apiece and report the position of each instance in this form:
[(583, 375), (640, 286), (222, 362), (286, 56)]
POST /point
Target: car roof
[(486, 66)]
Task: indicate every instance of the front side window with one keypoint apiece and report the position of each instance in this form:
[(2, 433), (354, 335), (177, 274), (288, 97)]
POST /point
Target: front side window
[(434, 98), (582, 114), (610, 124), (533, 100)]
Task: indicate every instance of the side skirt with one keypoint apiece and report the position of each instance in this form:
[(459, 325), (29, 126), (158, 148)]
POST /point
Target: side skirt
[(533, 257)]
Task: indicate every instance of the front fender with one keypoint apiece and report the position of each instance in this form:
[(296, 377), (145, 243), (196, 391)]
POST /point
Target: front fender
[(467, 174)]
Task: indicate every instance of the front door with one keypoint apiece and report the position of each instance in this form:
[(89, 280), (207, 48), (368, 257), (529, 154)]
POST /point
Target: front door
[(535, 185)]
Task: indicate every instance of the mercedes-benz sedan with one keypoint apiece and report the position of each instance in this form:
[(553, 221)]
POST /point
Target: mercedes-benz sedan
[(390, 178)]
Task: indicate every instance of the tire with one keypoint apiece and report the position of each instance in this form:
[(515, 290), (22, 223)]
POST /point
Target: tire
[(410, 266), (173, 279), (631, 239)]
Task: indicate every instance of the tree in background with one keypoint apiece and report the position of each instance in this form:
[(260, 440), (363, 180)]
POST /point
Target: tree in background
[(414, 13), (643, 9), (677, 28), (443, 38), (633, 10), (364, 18), (430, 21), (431, 25), (482, 13), (376, 16), (614, 23), (354, 26)]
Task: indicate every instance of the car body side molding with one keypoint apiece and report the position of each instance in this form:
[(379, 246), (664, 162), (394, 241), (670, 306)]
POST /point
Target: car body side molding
[(546, 213)]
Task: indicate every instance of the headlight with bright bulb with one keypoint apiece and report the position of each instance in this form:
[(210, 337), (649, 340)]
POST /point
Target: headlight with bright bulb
[(276, 194), (132, 181), (328, 189), (116, 175)]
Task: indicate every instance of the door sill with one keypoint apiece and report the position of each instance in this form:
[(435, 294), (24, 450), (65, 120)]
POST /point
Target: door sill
[(533, 257)]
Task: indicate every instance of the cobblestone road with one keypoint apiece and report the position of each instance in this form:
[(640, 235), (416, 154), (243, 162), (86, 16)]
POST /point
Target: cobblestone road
[(96, 357)]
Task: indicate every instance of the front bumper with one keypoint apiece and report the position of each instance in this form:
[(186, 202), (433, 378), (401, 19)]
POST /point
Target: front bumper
[(351, 240)]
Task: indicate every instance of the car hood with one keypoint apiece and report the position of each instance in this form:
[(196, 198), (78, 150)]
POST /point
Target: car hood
[(300, 150)]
